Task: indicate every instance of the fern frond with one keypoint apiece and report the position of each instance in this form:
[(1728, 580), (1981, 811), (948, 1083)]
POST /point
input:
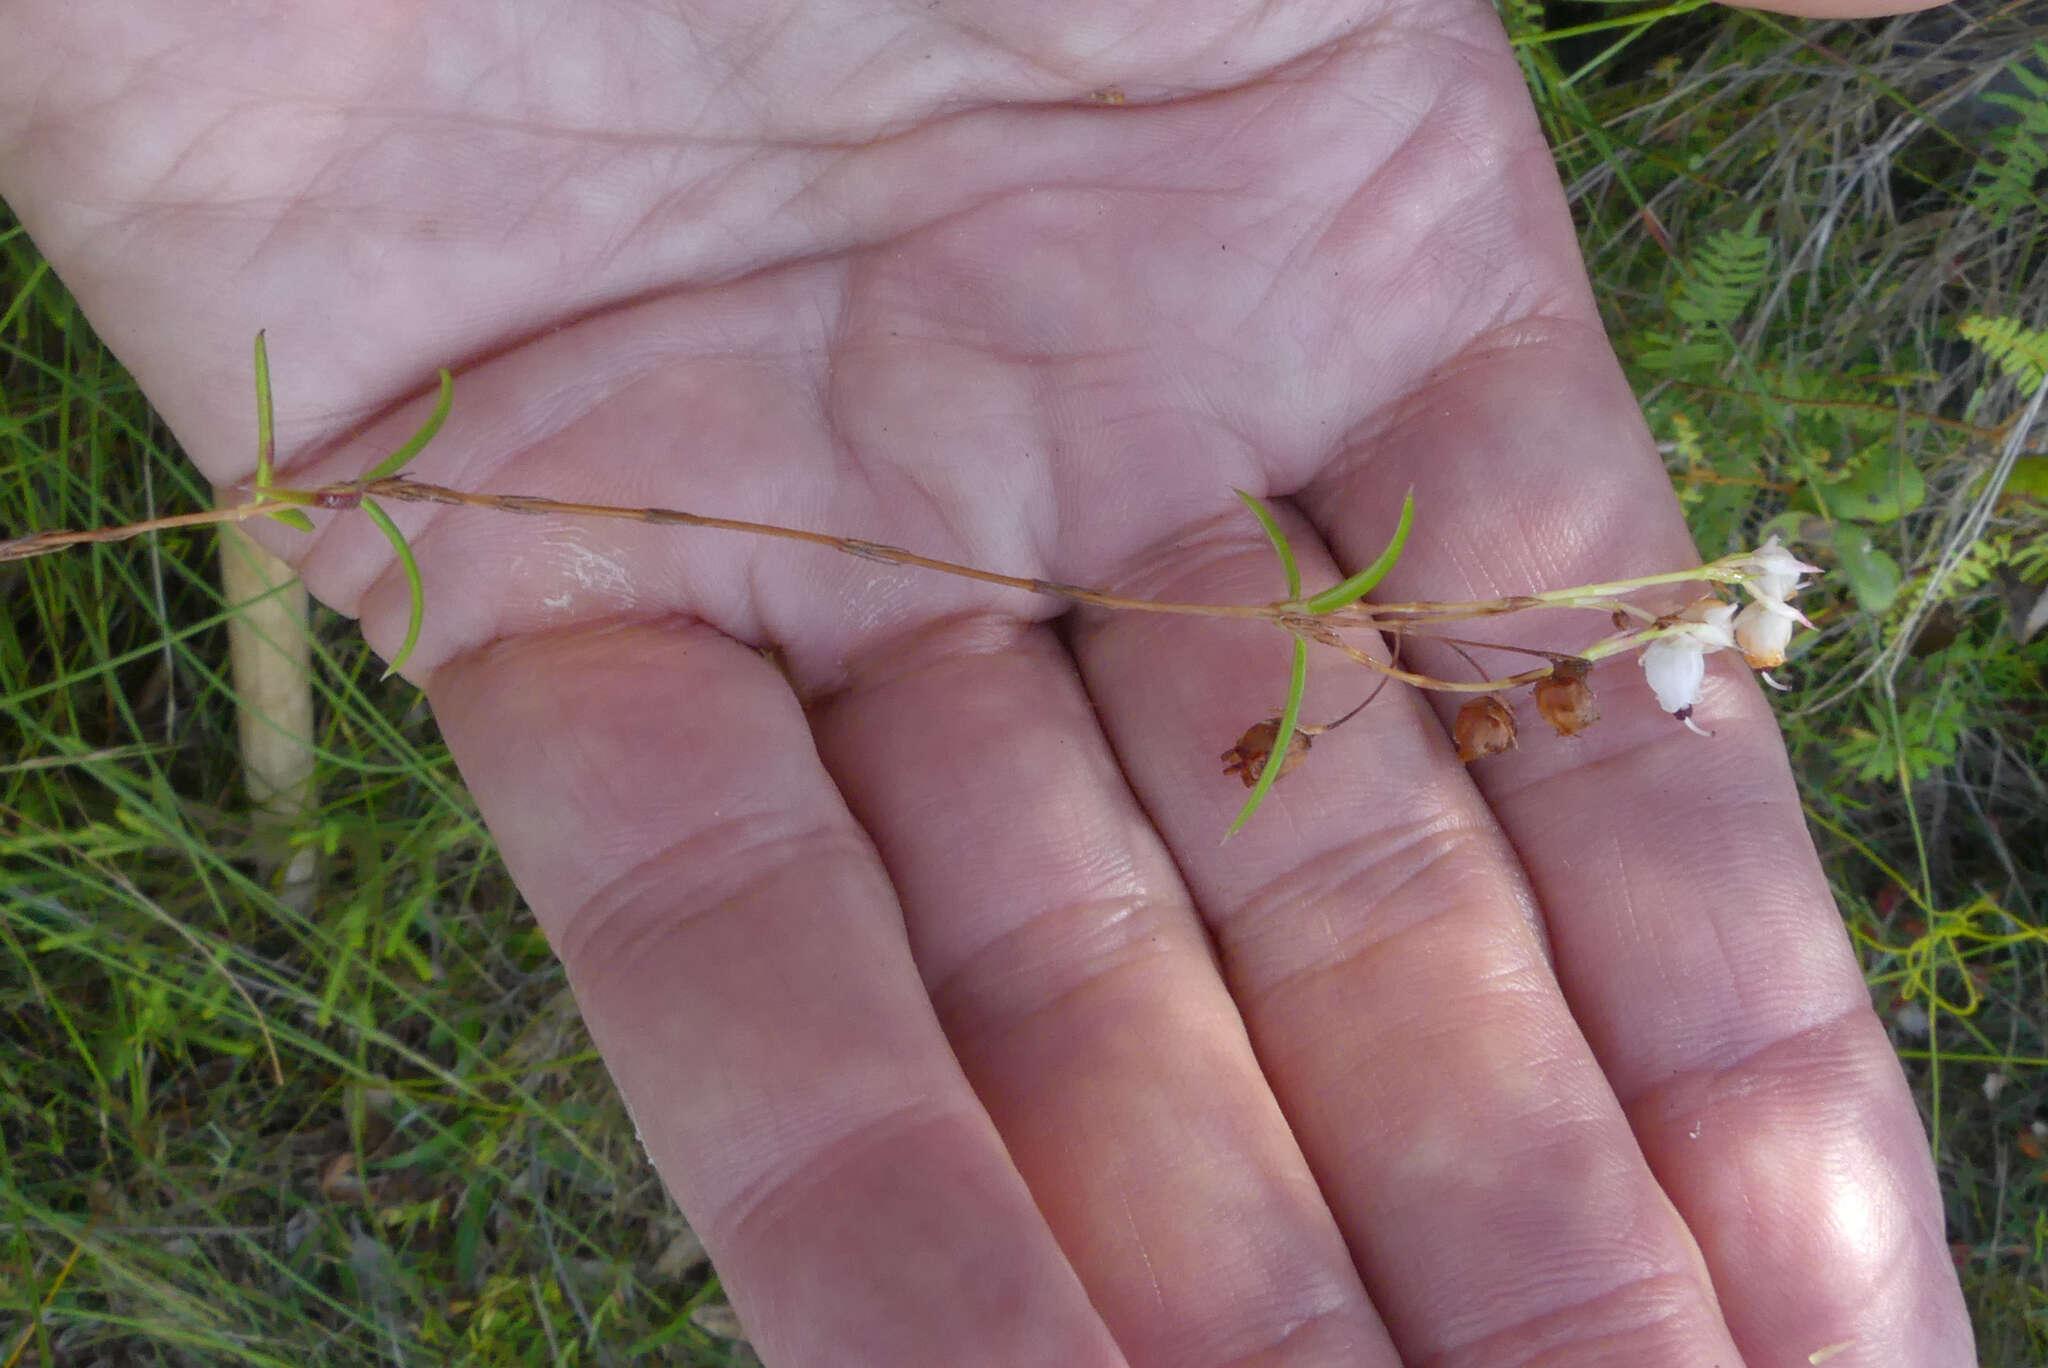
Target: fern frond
[(1975, 567), (2030, 562), (1724, 275), (2020, 149), (2016, 349)]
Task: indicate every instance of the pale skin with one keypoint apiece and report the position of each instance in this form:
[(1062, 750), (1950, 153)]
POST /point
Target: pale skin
[(942, 1011)]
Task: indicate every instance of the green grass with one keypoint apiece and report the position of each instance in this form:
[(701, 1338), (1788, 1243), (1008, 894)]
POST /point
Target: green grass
[(283, 1131), (1790, 228), (369, 1128)]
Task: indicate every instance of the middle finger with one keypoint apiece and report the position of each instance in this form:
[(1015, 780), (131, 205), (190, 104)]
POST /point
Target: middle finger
[(1080, 993)]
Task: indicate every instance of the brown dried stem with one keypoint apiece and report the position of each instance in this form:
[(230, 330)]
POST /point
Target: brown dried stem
[(405, 490), (1397, 618), (43, 543)]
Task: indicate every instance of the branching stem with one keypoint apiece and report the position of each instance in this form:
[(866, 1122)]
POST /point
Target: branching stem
[(1292, 614), (1265, 751)]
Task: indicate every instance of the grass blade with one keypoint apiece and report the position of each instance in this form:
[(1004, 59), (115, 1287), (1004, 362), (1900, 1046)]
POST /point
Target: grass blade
[(1279, 540), (414, 444), (1362, 583), (1297, 684), (418, 610), (266, 425)]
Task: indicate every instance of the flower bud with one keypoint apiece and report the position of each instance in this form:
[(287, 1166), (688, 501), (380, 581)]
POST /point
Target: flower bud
[(1247, 759), (1566, 703), (1709, 621), (1484, 727)]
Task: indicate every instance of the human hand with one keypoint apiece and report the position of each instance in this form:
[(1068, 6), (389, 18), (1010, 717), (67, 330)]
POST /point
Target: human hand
[(940, 1008)]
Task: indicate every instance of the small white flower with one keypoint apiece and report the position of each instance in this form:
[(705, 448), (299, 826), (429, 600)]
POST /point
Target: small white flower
[(1676, 667), (1763, 630), (1676, 664), (1773, 572)]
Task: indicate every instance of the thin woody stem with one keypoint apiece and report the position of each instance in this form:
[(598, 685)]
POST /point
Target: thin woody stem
[(1579, 596), (1420, 681), (403, 490), (417, 491), (1394, 617), (1377, 689), (1431, 682), (1458, 612), (42, 543), (1464, 655), (1552, 656), (1375, 615), (1629, 640)]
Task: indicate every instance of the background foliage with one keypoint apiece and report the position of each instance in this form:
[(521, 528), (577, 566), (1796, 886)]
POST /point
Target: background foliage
[(1819, 250), (363, 1124)]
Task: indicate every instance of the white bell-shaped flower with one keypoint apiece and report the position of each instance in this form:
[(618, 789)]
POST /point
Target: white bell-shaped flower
[(1773, 572), (1763, 629), (1676, 664), (1676, 667)]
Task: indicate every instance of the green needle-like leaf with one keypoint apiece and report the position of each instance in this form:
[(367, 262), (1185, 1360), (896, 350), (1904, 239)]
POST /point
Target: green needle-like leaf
[(266, 427), (292, 517), (396, 461), (1297, 684), (1362, 583), (1279, 540), (411, 566)]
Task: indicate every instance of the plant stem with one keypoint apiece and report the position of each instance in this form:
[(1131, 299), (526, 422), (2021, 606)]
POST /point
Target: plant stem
[(1292, 614), (1579, 596), (43, 543), (417, 491)]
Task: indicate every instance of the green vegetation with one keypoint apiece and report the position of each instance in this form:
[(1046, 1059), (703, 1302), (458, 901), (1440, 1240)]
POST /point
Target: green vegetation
[(1819, 248), (306, 1128), (297, 1127)]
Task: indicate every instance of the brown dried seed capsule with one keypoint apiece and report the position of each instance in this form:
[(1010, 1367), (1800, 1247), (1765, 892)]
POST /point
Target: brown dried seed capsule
[(1484, 727), (1566, 704), (1247, 759)]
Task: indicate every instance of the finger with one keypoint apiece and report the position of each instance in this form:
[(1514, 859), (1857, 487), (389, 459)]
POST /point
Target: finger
[(1382, 950), (1081, 994), (740, 961), (1693, 929)]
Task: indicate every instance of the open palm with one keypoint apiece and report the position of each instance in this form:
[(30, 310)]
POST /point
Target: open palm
[(940, 1007)]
